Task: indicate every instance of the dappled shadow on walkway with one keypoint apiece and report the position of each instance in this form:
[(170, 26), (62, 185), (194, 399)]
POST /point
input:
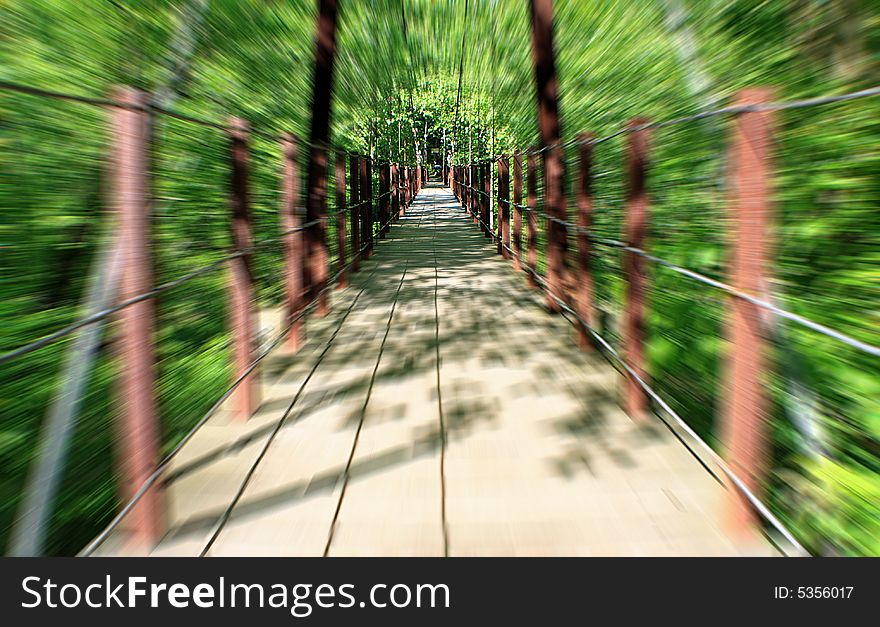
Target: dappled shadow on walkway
[(440, 409)]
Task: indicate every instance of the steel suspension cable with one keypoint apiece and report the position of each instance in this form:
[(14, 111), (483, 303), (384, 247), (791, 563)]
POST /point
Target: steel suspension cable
[(738, 483), (162, 466)]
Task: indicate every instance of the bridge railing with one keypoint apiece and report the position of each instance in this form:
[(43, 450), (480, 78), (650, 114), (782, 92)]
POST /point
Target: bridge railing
[(339, 240), (571, 284)]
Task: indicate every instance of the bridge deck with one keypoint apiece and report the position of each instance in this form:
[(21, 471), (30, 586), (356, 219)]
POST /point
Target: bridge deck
[(440, 410)]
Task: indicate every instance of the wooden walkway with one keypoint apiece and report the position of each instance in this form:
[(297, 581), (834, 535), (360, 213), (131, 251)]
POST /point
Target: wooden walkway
[(439, 410)]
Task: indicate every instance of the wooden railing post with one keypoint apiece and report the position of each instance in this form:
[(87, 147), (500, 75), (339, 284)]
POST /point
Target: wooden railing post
[(383, 199), (293, 241), (532, 218), (485, 198), (584, 290), (745, 421), (635, 268), (460, 183), (504, 206), (316, 185), (549, 127), (354, 201), (395, 193), (138, 426), (478, 197), (246, 397), (557, 231), (466, 191), (473, 197), (517, 211), (404, 187), (465, 181), (469, 191), (477, 201), (341, 219), (478, 208), (371, 203), (364, 205)]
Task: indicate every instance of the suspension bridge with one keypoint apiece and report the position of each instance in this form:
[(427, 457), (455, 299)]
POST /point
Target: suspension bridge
[(412, 423)]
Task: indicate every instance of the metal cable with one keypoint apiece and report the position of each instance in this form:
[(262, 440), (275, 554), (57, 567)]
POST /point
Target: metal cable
[(163, 465), (153, 108), (754, 501), (100, 315), (724, 287), (730, 110)]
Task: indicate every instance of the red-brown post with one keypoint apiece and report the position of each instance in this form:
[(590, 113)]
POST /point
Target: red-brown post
[(504, 206), (316, 204), (404, 185), (745, 423), (481, 209), (460, 183), (468, 191), (532, 218), (584, 289), (478, 197), (517, 211), (404, 190), (549, 127), (395, 198), (293, 241), (383, 199), (355, 204), (138, 428), (485, 198), (365, 202), (341, 219), (635, 268), (244, 337), (478, 208), (371, 203), (471, 192)]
